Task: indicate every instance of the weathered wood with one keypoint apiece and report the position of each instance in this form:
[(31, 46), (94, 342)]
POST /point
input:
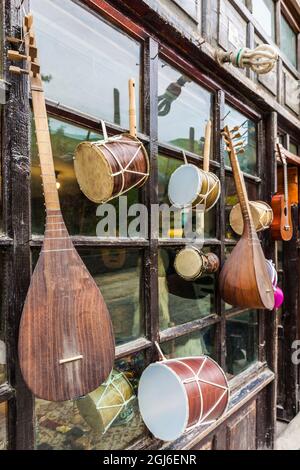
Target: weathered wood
[(188, 328)]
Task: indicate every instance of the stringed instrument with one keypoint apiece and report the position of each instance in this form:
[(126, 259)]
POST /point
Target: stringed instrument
[(282, 226), (244, 280), (66, 342)]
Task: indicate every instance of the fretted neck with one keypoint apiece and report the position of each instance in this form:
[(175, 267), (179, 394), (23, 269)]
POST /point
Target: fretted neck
[(240, 186), (44, 146)]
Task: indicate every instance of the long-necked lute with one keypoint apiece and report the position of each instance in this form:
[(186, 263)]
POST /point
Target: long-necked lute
[(244, 280), (66, 343)]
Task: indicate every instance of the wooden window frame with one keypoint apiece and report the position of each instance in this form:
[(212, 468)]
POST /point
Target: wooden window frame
[(21, 405)]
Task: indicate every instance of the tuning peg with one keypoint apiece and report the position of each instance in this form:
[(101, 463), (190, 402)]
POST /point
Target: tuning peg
[(35, 68), (235, 128), (237, 136), (33, 52), (18, 70), (28, 21), (13, 40), (238, 144), (241, 150), (16, 56)]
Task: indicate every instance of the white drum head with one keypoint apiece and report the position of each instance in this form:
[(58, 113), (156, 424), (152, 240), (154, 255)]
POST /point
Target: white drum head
[(184, 185), (163, 402), (272, 272), (188, 263)]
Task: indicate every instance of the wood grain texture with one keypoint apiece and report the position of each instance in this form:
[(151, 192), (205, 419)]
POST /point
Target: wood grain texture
[(66, 343), (244, 280)]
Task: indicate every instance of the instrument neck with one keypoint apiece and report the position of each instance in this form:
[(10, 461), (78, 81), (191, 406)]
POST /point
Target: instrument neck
[(44, 146)]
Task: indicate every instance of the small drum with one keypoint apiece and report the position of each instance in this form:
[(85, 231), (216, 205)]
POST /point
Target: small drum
[(190, 263), (262, 215), (111, 167), (272, 272), (177, 394), (104, 406), (190, 186)]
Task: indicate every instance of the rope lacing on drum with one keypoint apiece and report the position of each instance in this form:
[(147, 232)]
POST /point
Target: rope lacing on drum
[(110, 382)]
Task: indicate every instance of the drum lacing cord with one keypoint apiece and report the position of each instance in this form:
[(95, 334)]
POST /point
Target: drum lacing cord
[(121, 406)]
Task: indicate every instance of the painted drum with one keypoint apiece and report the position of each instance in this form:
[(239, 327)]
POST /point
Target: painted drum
[(272, 272), (175, 395), (108, 168), (279, 297), (190, 263), (261, 212), (190, 186)]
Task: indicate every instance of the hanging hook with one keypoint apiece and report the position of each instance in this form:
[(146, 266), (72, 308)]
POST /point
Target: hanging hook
[(184, 157)]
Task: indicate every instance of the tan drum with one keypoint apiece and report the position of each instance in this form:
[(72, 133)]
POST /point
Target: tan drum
[(261, 212), (102, 407), (190, 263), (111, 167)]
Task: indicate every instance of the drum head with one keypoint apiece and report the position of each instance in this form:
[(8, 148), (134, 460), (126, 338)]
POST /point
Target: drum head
[(163, 402), (272, 272), (236, 218), (93, 172), (188, 263), (184, 185)]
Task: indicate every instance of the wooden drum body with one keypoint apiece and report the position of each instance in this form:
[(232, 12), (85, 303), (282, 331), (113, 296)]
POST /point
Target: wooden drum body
[(261, 212), (108, 168), (190, 263), (176, 394), (190, 186)]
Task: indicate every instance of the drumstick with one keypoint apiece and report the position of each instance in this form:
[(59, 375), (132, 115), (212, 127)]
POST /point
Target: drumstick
[(132, 110), (206, 150)]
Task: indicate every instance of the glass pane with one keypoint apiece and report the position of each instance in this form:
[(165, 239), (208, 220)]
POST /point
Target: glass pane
[(288, 41), (249, 158), (83, 425), (293, 148), (264, 12), (2, 343), (190, 6), (79, 213), (228, 250), (93, 58), (184, 108), (231, 199), (117, 272), (202, 342), (241, 341), (167, 166), (3, 426), (182, 301)]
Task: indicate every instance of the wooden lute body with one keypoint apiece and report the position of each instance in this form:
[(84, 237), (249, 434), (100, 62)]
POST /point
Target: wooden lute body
[(66, 343), (244, 280)]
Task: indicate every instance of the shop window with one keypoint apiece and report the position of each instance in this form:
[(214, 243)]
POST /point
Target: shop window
[(288, 41), (103, 420), (198, 343), (293, 148), (264, 12), (248, 160), (231, 199), (96, 63), (167, 166), (241, 341), (3, 426), (182, 301), (184, 108), (79, 213)]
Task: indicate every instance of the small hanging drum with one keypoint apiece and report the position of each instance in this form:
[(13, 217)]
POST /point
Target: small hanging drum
[(177, 394), (111, 167), (190, 263), (262, 215), (190, 186), (105, 405), (272, 272)]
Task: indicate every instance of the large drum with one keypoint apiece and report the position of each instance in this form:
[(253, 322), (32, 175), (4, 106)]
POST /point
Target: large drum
[(190, 263), (190, 186), (262, 215), (104, 406), (177, 394), (109, 168)]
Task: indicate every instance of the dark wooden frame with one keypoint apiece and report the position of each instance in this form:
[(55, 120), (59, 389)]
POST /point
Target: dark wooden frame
[(15, 150)]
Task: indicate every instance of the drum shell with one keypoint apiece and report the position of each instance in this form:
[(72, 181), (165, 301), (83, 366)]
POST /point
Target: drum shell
[(262, 215), (96, 165), (208, 263), (211, 188)]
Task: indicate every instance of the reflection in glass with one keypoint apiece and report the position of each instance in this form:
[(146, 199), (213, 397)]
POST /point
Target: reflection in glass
[(202, 342), (79, 213), (288, 41), (242, 341), (264, 12), (117, 272), (96, 63), (2, 344), (184, 108), (65, 425), (167, 166), (190, 6), (248, 159), (231, 198), (3, 426), (182, 301)]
